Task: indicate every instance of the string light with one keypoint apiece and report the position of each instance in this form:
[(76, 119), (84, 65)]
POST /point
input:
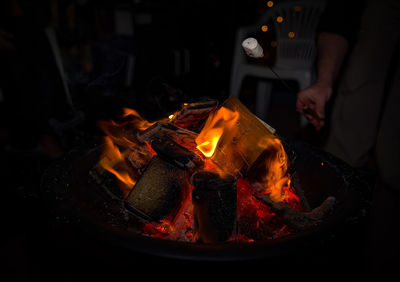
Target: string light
[(291, 34), (270, 4), (279, 19), (264, 28), (297, 8)]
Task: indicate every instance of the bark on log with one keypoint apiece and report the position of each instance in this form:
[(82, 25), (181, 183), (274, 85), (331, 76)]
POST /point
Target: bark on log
[(192, 114), (183, 137), (106, 181), (175, 154), (214, 200), (159, 191), (300, 193), (296, 220)]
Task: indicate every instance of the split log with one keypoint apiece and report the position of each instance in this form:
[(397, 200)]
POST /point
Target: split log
[(107, 181), (191, 114), (183, 137), (240, 146), (300, 193), (129, 165), (175, 154), (299, 221), (214, 200), (159, 191)]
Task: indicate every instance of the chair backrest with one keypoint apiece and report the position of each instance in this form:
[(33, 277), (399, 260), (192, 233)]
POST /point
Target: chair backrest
[(295, 25)]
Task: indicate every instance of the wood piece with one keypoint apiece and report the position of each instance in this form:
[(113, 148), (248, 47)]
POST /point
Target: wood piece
[(214, 199), (175, 154), (159, 191), (183, 137), (113, 166), (296, 220), (140, 158), (191, 114), (240, 146), (106, 181), (300, 193)]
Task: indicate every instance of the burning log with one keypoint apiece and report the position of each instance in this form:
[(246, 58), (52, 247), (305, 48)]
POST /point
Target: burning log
[(176, 145), (157, 159), (295, 219), (192, 114), (242, 138), (106, 181), (159, 191), (172, 152), (159, 130), (214, 200), (300, 193)]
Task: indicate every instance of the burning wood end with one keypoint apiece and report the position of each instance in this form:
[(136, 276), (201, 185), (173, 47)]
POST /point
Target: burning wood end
[(295, 219), (222, 151)]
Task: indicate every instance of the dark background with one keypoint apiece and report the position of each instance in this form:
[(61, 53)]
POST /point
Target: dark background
[(121, 54)]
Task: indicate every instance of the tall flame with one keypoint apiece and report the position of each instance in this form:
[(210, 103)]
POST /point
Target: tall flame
[(122, 136), (113, 161), (216, 124), (276, 177)]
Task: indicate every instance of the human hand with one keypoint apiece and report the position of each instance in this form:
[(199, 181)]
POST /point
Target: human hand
[(311, 102), (5, 43)]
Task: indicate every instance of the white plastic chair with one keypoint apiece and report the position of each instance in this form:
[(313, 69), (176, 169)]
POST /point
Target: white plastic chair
[(295, 25)]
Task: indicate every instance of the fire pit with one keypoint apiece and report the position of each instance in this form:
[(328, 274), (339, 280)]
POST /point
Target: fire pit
[(173, 193)]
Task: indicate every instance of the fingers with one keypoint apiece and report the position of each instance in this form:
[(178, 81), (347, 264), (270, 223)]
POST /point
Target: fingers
[(317, 123), (320, 110), (314, 117), (313, 113), (299, 106), (312, 107)]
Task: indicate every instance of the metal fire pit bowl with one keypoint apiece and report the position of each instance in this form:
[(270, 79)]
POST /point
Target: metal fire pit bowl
[(67, 189)]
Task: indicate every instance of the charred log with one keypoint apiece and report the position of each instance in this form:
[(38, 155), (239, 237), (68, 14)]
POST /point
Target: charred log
[(300, 193), (173, 153), (159, 130), (106, 181), (214, 199), (299, 221), (159, 191), (191, 115)]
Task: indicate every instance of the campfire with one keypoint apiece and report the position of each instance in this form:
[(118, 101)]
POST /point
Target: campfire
[(208, 173)]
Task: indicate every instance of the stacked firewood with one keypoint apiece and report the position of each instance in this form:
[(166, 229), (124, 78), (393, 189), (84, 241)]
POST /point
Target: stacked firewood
[(176, 171)]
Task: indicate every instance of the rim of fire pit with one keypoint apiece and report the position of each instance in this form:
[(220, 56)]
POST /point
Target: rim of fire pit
[(62, 182)]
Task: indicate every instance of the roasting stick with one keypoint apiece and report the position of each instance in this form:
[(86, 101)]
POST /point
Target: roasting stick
[(254, 50)]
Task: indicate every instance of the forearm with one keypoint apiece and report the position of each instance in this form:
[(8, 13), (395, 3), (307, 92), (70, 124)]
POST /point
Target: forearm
[(332, 49)]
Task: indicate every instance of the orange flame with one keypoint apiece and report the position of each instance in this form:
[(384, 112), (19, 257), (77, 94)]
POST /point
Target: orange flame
[(276, 177), (216, 124), (113, 161), (137, 120), (122, 135)]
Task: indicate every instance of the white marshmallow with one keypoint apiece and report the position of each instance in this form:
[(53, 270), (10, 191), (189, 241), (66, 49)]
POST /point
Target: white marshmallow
[(252, 48)]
